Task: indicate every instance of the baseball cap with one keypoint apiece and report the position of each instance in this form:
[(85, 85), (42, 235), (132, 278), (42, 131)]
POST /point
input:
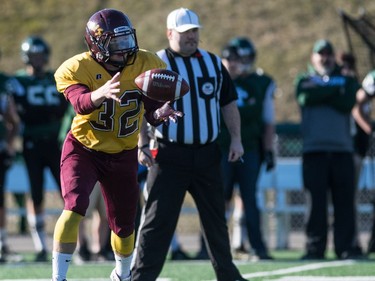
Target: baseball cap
[(321, 45), (182, 20)]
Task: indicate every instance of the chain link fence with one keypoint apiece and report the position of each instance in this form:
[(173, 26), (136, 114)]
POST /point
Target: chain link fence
[(289, 145)]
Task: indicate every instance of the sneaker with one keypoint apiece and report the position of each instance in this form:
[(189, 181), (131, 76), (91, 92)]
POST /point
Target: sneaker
[(353, 254), (83, 255), (103, 256), (179, 255), (241, 254), (41, 256), (115, 277), (9, 256), (263, 256)]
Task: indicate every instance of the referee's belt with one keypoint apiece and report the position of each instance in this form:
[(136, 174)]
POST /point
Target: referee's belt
[(194, 145)]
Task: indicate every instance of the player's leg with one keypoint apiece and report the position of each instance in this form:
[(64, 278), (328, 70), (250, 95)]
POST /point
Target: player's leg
[(100, 229), (228, 177), (207, 191), (239, 230), (165, 191), (248, 176), (121, 193), (343, 199), (32, 152), (84, 252), (78, 177), (315, 171)]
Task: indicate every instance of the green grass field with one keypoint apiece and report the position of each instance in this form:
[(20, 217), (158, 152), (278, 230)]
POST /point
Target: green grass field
[(285, 267)]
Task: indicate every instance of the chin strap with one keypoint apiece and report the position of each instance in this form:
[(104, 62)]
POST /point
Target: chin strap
[(127, 60)]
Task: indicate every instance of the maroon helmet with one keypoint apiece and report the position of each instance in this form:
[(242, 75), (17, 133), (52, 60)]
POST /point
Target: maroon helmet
[(110, 32)]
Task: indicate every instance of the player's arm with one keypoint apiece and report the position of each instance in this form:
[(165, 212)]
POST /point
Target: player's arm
[(144, 154), (360, 111), (12, 121)]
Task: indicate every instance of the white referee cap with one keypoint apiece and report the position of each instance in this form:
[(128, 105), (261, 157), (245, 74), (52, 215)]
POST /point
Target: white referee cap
[(182, 20)]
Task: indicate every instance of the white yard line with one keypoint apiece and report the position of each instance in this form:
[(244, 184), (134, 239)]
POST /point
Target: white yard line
[(307, 267), (296, 269)]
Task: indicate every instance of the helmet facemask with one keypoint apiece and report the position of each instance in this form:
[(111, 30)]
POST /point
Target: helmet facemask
[(122, 41)]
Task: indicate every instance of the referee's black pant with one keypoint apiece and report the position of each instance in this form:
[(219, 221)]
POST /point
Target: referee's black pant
[(180, 169), (330, 175)]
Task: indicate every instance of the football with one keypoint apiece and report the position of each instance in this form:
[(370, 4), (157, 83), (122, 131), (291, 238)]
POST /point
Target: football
[(162, 85)]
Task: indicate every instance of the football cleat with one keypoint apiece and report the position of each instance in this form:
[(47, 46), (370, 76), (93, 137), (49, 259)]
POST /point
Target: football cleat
[(41, 256), (115, 277)]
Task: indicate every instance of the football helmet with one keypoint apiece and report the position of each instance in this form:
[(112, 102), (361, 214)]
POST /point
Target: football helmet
[(242, 50), (110, 32), (244, 47), (34, 45)]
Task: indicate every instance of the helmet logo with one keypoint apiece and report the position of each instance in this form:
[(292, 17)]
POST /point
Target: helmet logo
[(98, 31)]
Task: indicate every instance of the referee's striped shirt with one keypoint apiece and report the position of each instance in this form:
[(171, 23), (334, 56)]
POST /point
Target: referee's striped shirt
[(210, 88)]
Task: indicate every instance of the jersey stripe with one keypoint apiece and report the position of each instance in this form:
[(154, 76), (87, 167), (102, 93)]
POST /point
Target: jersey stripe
[(204, 73)]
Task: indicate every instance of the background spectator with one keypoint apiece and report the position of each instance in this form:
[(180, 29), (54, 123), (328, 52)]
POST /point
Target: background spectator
[(326, 98), (255, 102)]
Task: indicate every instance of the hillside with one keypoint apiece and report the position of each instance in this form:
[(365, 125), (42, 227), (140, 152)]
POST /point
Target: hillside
[(283, 31)]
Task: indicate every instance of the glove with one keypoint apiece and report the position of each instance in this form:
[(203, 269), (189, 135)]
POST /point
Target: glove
[(269, 160), (167, 112)]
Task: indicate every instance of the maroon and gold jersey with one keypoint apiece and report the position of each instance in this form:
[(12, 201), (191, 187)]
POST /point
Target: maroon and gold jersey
[(114, 126)]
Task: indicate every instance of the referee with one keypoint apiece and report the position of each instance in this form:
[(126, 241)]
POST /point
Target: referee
[(188, 158)]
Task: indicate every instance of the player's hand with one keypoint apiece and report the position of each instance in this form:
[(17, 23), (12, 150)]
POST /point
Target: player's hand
[(167, 112), (269, 160), (145, 156), (113, 87), (108, 91), (235, 151)]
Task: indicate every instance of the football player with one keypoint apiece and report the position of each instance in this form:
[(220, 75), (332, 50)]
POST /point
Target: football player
[(41, 109), (102, 143)]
